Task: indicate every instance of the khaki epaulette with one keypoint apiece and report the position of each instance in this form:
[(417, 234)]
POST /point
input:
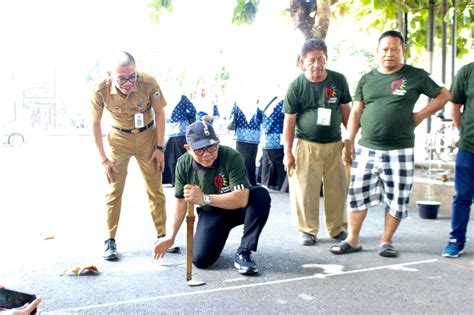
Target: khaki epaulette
[(146, 78), (104, 84)]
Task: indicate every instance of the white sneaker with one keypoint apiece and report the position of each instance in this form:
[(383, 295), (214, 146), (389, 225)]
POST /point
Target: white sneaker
[(306, 239)]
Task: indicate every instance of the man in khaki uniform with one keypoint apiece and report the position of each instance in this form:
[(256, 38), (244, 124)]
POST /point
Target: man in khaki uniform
[(136, 105)]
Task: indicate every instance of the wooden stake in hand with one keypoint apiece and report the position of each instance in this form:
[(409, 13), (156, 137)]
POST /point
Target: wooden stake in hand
[(189, 241), (189, 247)]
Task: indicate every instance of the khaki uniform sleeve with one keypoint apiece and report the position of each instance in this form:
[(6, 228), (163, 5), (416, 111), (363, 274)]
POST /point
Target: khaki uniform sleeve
[(157, 99), (97, 101)]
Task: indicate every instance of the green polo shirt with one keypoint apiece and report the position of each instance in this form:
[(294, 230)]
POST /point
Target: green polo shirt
[(462, 91), (304, 97), (228, 173), (387, 118)]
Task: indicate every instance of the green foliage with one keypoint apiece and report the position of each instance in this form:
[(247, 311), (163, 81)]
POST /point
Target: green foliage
[(245, 11), (223, 75), (222, 78), (159, 7), (383, 15), (379, 15)]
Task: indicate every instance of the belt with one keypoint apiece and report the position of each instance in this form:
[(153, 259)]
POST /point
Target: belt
[(136, 130)]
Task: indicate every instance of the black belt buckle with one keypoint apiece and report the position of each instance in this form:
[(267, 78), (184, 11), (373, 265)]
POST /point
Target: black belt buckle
[(136, 130)]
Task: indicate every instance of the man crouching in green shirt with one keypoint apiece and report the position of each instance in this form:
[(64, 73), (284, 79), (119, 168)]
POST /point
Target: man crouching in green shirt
[(383, 162), (215, 178)]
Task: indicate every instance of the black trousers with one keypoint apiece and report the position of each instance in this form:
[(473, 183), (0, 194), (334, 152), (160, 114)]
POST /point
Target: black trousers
[(213, 227), (249, 154), (174, 149), (273, 171)]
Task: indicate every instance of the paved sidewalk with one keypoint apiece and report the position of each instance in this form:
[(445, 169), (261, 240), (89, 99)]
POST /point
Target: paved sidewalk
[(67, 204)]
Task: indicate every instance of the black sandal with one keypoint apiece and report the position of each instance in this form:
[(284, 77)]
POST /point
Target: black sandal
[(344, 248), (387, 250)]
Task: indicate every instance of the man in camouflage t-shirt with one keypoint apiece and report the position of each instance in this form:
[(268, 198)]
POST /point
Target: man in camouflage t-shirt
[(383, 162)]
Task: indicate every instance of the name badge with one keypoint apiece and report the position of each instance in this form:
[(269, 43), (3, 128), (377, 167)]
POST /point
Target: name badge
[(324, 116), (139, 123)]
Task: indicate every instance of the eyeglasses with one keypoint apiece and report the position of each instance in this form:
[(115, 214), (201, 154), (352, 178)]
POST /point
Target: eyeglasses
[(210, 149), (122, 80)]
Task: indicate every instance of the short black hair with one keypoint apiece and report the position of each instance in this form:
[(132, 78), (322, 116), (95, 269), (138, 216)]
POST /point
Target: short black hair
[(312, 45), (392, 33)]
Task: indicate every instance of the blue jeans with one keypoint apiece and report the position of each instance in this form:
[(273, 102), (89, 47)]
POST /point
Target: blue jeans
[(463, 184)]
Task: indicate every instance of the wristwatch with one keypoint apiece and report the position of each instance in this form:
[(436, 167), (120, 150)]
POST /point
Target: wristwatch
[(162, 148), (207, 199)]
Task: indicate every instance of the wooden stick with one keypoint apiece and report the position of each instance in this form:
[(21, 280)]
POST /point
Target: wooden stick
[(189, 241)]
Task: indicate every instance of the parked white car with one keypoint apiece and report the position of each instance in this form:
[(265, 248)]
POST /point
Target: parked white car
[(11, 135)]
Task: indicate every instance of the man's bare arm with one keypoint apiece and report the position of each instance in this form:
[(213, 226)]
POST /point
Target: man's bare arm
[(456, 114), (432, 107)]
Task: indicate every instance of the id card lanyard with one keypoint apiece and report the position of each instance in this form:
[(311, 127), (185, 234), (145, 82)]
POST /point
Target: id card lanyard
[(139, 119), (139, 122), (324, 114)]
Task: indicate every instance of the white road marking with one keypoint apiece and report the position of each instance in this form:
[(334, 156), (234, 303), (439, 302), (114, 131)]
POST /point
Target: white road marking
[(327, 268), (403, 268), (168, 296), (235, 279)]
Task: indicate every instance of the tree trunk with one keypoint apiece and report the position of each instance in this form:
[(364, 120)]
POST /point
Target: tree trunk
[(323, 16), (311, 17), (300, 12)]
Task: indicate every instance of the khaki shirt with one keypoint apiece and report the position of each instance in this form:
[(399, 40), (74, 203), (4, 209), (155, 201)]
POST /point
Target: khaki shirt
[(145, 95)]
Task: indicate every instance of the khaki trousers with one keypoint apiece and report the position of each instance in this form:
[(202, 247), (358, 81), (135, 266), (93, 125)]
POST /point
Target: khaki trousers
[(123, 146), (316, 162)]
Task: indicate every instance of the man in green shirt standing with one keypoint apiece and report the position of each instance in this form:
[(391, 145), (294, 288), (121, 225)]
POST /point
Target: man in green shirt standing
[(383, 162), (215, 178), (316, 104), (462, 90)]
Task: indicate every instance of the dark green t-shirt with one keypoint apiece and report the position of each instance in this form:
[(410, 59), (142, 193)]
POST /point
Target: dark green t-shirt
[(304, 97), (387, 118), (228, 173), (462, 91)]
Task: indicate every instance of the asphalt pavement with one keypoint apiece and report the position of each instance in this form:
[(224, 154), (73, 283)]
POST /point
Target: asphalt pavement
[(51, 220)]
